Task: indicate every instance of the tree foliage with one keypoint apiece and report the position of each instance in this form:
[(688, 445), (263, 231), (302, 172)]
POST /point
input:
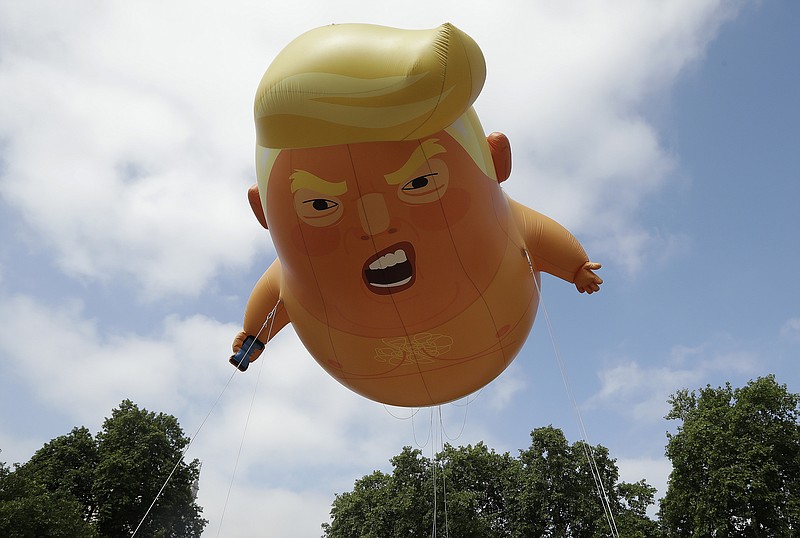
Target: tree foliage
[(77, 485), (736, 462), (472, 491), (28, 509)]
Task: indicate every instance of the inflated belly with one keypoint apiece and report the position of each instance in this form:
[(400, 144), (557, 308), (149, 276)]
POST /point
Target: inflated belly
[(434, 364)]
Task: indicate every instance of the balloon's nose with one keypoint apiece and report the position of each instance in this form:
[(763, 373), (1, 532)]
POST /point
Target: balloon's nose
[(373, 213)]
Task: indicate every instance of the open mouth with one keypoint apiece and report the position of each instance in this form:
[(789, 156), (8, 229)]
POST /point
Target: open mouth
[(390, 270)]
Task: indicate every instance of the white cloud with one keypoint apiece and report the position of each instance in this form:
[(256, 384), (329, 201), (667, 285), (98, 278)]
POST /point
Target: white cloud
[(129, 136), (584, 152), (500, 393), (256, 510), (791, 329), (79, 369), (641, 392), (85, 370), (304, 431), (654, 470), (128, 152)]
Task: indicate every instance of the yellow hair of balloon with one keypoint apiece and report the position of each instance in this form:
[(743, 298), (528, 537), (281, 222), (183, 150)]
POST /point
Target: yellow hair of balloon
[(351, 83)]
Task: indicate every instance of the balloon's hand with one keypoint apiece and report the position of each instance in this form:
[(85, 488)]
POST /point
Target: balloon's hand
[(246, 349), (586, 280)]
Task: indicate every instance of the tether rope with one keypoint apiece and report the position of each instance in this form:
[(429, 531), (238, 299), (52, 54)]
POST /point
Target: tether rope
[(183, 453), (270, 318), (587, 447), (437, 445)]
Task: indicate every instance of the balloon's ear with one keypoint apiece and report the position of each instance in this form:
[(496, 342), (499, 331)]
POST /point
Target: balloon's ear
[(500, 148), (255, 204)]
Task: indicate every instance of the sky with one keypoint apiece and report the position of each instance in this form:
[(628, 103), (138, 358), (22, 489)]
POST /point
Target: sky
[(664, 135)]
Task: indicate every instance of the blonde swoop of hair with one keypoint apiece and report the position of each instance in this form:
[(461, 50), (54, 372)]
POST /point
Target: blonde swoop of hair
[(352, 83)]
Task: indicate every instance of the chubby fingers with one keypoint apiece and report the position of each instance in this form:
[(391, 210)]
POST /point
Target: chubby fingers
[(238, 341), (592, 287), (587, 281)]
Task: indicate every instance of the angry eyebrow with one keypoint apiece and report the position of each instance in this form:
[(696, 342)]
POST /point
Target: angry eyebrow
[(301, 179), (427, 149)]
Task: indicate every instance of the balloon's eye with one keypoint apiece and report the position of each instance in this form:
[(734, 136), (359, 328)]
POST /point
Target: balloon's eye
[(317, 211), (418, 182), (427, 184), (321, 204)]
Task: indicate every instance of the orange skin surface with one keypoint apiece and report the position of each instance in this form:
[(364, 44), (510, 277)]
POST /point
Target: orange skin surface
[(459, 299), (324, 265)]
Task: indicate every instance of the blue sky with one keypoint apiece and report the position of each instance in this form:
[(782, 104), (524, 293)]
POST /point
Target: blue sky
[(663, 135)]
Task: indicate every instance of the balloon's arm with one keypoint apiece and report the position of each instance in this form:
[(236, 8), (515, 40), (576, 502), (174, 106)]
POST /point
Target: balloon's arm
[(553, 249), (264, 316)]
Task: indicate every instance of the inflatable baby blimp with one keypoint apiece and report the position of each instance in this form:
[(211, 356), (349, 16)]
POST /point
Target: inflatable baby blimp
[(405, 270)]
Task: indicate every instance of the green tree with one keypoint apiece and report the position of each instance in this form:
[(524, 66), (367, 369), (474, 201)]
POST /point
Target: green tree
[(560, 493), (632, 520), (29, 510), (67, 464), (103, 486), (382, 505), (474, 491), (736, 462), (477, 482), (137, 450)]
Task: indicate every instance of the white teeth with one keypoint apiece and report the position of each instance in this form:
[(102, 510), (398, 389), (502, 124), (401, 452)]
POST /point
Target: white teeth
[(393, 284), (388, 260)]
